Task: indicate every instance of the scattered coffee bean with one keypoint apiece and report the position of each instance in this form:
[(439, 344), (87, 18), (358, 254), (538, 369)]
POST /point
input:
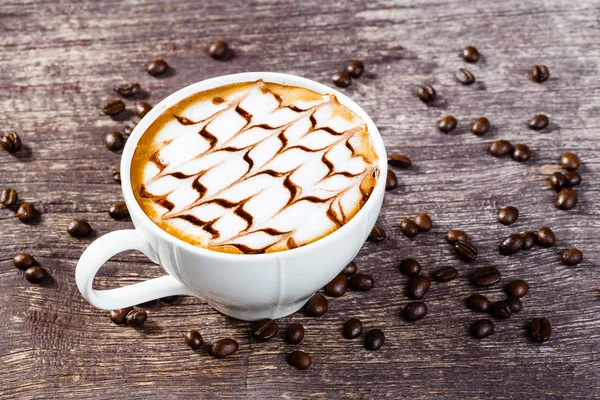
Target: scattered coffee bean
[(500, 310), (545, 237), (129, 127), (142, 108), (410, 267), (361, 282), (27, 212), (391, 181), (113, 107), (223, 348), (157, 67), (572, 178), (482, 328), (570, 161), (558, 181), (317, 305), (117, 175), (352, 328), (517, 288), (508, 215), (128, 89), (423, 222), (540, 329), (529, 239), (486, 276), (9, 197), (10, 142), (572, 257), (338, 285), (79, 228), (118, 210), (24, 261), (218, 50), (478, 302), (447, 124), (480, 126), (36, 274), (539, 73), (408, 228), (193, 339), (341, 79), (119, 316), (414, 311), (114, 141), (566, 199), (514, 303), (374, 339), (418, 287), (295, 333), (470, 54), (465, 251), (350, 269), (464, 76), (299, 359), (265, 329), (377, 234), (355, 68), (539, 122), (445, 274), (400, 161), (521, 153), (136, 318), (456, 235), (511, 244), (426, 93), (500, 148)]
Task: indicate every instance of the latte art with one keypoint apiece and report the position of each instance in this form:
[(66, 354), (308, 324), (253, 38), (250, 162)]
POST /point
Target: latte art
[(254, 167)]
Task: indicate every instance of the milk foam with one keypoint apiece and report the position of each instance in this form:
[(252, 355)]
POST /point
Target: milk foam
[(254, 167)]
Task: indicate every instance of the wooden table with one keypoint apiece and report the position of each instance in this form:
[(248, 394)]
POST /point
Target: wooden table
[(59, 61)]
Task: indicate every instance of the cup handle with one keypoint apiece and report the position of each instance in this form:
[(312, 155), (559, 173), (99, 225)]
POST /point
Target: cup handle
[(100, 251)]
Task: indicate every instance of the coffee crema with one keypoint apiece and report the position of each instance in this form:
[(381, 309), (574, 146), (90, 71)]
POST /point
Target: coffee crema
[(254, 167)]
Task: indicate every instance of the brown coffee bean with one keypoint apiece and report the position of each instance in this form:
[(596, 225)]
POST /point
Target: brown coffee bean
[(572, 178), (338, 285), (223, 348), (142, 108), (480, 126), (539, 122), (114, 141), (361, 282), (500, 148), (374, 339), (572, 257), (418, 287), (341, 79), (465, 251), (79, 228), (423, 222), (566, 199), (464, 76), (10, 142), (482, 328), (36, 274), (529, 240), (470, 54), (355, 68), (447, 124), (486, 276), (193, 339), (539, 73), (295, 333), (128, 89), (265, 329), (352, 328), (23, 261), (410, 267), (113, 107), (478, 302), (508, 215), (521, 153), (456, 235), (136, 318), (119, 316), (408, 228), (514, 303), (299, 359), (511, 244), (118, 210), (157, 67), (9, 197), (500, 310), (218, 50), (558, 181), (540, 330), (414, 311), (445, 274), (377, 234), (546, 237), (399, 161), (350, 269), (426, 93), (391, 181), (27, 212), (129, 127), (517, 288), (317, 306), (570, 161), (117, 175)]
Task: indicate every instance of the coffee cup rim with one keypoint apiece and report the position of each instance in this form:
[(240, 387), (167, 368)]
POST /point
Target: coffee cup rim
[(211, 83)]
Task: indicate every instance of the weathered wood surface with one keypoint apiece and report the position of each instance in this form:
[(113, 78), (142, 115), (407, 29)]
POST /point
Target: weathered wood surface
[(59, 61)]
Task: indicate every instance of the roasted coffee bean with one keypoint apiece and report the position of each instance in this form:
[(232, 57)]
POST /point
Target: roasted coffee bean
[(423, 222), (414, 311), (193, 339), (540, 329), (480, 126), (338, 285), (572, 178), (218, 50), (113, 107), (465, 251), (511, 244), (418, 287), (426, 93), (136, 318), (117, 175), (464, 76), (299, 359), (566, 199), (295, 333), (129, 127), (23, 261), (341, 79), (157, 67), (10, 142), (539, 122), (374, 339), (350, 269), (529, 239), (500, 310), (447, 124), (456, 235), (79, 228), (478, 302), (521, 153), (36, 274), (508, 215), (114, 141), (500, 148), (391, 181), (570, 161), (377, 234), (572, 257), (399, 161), (142, 108), (517, 288), (408, 228), (445, 274), (355, 68), (410, 267), (27, 212), (470, 54), (361, 282), (539, 73), (119, 316), (482, 328), (223, 348), (558, 181), (352, 328), (317, 305), (128, 89), (9, 197), (486, 276), (514, 303), (545, 237), (265, 329), (118, 210)]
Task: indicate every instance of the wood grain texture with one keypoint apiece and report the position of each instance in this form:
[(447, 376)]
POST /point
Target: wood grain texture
[(59, 61)]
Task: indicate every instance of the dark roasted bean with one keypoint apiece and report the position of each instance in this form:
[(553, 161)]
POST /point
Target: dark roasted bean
[(465, 251), (399, 161), (545, 237), (408, 228), (423, 222), (456, 235), (426, 93), (572, 178), (572, 257), (410, 267), (117, 175), (119, 316), (265, 329), (129, 127), (529, 240), (114, 141), (223, 348), (355, 68), (480, 126), (539, 122), (521, 153), (511, 244), (486, 276), (414, 311), (540, 330), (539, 73), (558, 181), (295, 333), (482, 328), (418, 287), (128, 89), (23, 261), (157, 67), (500, 148), (136, 318), (445, 274), (500, 310), (338, 285), (218, 50), (352, 328), (514, 303), (142, 108), (517, 288), (508, 215), (470, 54), (317, 305), (9, 197), (193, 339), (118, 210), (36, 274), (27, 212), (342, 79), (464, 76), (374, 339), (79, 228), (391, 181), (361, 282), (11, 142), (377, 234), (299, 359), (478, 302), (350, 269), (566, 199), (570, 161), (113, 107), (447, 124)]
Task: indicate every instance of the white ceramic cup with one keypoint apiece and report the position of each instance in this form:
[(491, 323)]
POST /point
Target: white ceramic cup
[(244, 286)]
